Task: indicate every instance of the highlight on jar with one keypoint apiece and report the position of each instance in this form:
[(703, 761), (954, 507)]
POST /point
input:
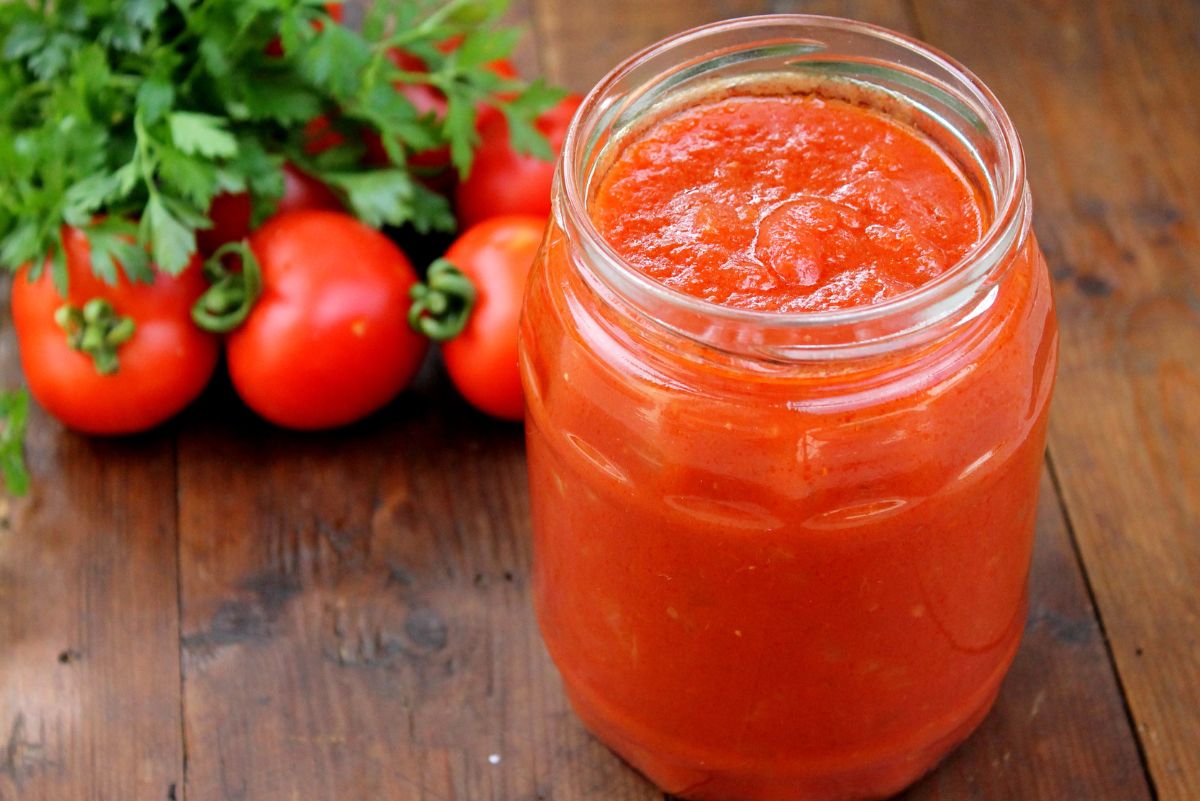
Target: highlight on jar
[(787, 350)]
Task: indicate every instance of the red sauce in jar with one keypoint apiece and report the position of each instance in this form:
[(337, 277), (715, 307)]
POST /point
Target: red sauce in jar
[(783, 582), (787, 203)]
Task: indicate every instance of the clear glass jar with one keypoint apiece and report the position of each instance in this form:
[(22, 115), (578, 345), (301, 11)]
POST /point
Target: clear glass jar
[(784, 556)]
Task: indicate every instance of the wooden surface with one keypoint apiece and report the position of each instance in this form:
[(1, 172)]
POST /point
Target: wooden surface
[(219, 611)]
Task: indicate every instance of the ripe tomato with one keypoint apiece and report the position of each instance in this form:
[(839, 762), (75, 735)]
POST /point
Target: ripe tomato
[(320, 135), (327, 342), (482, 360), (231, 213), (158, 370), (504, 182)]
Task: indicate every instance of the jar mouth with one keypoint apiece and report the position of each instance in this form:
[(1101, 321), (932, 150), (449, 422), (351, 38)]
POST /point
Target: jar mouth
[(911, 73)]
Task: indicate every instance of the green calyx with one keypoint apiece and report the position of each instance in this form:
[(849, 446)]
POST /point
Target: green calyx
[(228, 302), (96, 330), (442, 305)]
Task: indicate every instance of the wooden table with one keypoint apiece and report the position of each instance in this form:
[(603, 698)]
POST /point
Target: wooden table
[(219, 611)]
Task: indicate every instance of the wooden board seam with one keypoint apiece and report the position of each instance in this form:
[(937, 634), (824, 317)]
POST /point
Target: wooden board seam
[(1060, 498)]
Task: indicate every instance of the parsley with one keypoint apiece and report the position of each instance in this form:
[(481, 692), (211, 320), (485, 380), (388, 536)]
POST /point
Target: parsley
[(14, 410), (126, 119)]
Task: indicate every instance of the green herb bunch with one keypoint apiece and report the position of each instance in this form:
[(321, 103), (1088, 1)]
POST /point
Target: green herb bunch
[(127, 118)]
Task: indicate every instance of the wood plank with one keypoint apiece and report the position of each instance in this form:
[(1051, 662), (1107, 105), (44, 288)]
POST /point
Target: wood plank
[(89, 637), (357, 619), (373, 640), (1104, 95), (581, 42), (527, 54)]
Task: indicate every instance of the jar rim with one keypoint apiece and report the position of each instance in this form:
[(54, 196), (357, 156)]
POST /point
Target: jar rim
[(1008, 225)]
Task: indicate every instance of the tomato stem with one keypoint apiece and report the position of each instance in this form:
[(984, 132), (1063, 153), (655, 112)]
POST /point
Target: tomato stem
[(442, 305), (96, 330), (228, 302)]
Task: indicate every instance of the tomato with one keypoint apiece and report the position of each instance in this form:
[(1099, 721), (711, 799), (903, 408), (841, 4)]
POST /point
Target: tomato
[(504, 182), (320, 135), (482, 360), (158, 370), (231, 212), (327, 342)]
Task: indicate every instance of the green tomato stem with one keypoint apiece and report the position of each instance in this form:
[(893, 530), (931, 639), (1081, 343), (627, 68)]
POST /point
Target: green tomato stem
[(96, 330), (442, 305), (228, 302)]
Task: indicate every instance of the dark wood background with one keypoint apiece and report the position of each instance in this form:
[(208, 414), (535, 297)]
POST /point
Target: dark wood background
[(219, 611)]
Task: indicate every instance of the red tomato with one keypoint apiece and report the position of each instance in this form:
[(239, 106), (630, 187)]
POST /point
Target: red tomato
[(482, 361), (505, 182), (160, 369), (231, 213), (320, 135), (328, 341)]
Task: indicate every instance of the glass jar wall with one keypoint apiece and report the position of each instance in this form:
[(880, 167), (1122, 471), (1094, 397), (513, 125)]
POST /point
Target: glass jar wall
[(784, 556)]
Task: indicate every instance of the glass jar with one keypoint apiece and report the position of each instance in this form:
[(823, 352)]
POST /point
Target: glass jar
[(784, 556)]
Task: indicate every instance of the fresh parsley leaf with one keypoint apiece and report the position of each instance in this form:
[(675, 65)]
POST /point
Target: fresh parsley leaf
[(523, 110), (277, 97), (26, 37), (14, 415), (137, 114), (201, 134), (54, 55), (378, 198), (113, 244), (335, 59), (460, 129), (481, 47), (154, 98), (143, 13), (193, 179), (22, 243), (172, 243)]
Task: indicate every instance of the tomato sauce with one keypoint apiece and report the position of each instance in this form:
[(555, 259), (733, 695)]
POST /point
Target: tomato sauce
[(796, 203), (778, 581)]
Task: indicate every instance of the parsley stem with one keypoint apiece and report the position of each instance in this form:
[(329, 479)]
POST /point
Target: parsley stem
[(422, 29)]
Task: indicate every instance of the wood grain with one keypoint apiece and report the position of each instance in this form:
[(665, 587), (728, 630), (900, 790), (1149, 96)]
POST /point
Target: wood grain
[(357, 620), (581, 42), (349, 613), (1104, 95), (89, 638)]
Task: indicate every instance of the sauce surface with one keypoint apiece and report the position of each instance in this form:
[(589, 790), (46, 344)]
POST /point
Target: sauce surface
[(787, 203)]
